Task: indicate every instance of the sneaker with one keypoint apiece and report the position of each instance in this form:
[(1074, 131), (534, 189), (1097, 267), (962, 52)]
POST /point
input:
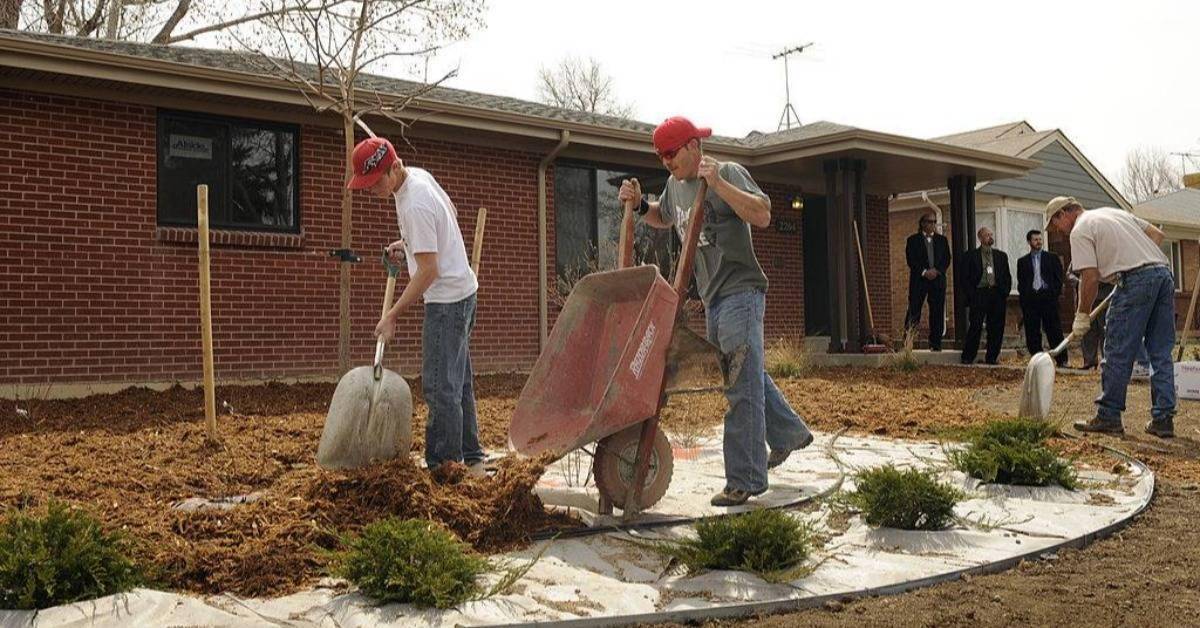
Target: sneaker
[(778, 457), (477, 469), (733, 497), (1100, 426), (1161, 429)]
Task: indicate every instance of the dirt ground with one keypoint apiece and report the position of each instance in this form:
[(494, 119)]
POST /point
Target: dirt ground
[(128, 457), (1145, 575)]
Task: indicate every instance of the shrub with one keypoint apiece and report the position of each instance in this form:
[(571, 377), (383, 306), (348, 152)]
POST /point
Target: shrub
[(60, 557), (410, 561), (906, 360), (1014, 451), (908, 500), (769, 543), (785, 358)]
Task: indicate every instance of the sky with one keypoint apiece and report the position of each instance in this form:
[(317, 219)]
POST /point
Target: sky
[(1112, 75)]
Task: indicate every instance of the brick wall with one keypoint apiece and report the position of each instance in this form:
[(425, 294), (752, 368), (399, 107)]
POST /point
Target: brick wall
[(91, 290)]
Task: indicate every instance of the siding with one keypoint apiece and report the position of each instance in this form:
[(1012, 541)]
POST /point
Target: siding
[(1059, 175)]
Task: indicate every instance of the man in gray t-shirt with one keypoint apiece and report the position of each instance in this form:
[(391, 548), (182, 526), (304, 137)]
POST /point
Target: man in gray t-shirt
[(733, 288)]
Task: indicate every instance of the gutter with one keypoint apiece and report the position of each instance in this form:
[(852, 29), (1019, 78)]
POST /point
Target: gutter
[(543, 313)]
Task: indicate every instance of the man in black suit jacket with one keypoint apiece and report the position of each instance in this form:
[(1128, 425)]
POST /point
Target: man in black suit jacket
[(928, 256), (987, 281), (1039, 282)]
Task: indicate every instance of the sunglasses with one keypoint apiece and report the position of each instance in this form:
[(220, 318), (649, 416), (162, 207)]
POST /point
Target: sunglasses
[(670, 154)]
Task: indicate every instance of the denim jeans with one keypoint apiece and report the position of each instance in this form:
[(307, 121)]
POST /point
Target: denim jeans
[(451, 430), (758, 415), (1142, 308)]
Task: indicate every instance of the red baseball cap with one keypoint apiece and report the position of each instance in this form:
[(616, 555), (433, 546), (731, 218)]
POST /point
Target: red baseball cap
[(371, 159), (676, 131)]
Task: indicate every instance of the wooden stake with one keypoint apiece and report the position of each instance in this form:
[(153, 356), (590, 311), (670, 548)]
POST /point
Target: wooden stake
[(210, 395), (477, 251), (1187, 326)]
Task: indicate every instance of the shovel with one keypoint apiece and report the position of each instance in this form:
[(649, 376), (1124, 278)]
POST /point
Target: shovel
[(370, 416), (1037, 391)]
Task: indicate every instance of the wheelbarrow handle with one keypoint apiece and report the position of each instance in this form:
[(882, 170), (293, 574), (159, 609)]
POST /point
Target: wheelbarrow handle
[(1092, 316)]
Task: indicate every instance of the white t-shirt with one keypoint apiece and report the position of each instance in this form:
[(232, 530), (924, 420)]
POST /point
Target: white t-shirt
[(1112, 241), (429, 224)]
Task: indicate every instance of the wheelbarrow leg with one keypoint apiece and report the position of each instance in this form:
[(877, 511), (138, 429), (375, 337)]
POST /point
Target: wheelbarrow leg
[(605, 504)]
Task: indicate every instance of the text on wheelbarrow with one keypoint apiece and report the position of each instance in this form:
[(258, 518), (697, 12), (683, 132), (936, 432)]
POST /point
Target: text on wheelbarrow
[(639, 358)]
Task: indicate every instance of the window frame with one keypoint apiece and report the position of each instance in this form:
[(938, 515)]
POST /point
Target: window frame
[(163, 116), (1175, 258)]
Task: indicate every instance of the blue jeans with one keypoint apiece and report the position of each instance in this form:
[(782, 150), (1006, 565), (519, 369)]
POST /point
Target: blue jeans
[(758, 414), (451, 430), (1142, 307)]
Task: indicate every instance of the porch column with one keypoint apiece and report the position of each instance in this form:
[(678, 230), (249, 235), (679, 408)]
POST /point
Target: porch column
[(845, 202), (962, 233)]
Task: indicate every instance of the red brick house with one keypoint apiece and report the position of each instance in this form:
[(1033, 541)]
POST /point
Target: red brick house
[(102, 145)]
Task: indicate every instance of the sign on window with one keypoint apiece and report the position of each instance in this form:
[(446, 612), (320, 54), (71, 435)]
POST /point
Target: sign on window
[(191, 147)]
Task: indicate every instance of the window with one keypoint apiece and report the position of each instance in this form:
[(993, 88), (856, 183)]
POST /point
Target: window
[(1009, 226), (588, 222), (250, 169), (1171, 249)]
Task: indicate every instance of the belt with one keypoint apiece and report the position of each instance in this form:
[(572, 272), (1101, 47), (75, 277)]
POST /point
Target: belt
[(1137, 269)]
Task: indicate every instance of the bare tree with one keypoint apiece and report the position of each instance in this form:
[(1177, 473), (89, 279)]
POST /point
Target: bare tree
[(1148, 173), (156, 21), (325, 49), (10, 13), (582, 86)]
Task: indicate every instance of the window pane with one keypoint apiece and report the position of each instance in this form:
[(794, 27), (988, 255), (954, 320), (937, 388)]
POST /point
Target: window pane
[(1171, 250), (190, 153), (650, 245), (262, 178), (1019, 223), (984, 219), (608, 217), (573, 222)]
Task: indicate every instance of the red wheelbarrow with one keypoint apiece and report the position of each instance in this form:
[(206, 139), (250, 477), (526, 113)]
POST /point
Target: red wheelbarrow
[(603, 374)]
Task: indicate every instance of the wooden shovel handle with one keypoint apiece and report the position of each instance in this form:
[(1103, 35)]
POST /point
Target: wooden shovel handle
[(477, 249), (687, 259)]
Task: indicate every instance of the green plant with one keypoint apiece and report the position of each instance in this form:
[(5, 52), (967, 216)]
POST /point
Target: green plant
[(908, 499), (785, 358), (410, 561), (60, 557), (1014, 451), (770, 543), (905, 360)]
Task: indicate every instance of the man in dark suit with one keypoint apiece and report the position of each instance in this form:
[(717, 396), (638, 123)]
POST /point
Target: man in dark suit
[(1039, 282), (987, 281), (928, 255)]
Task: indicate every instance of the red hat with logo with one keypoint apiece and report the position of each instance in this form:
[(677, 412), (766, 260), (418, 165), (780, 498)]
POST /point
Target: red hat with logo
[(371, 159), (676, 131)]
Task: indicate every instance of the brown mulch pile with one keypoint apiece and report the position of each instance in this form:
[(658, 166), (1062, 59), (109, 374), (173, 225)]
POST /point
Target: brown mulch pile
[(129, 457)]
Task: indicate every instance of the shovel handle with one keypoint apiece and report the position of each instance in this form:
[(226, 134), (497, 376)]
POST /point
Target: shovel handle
[(1092, 316)]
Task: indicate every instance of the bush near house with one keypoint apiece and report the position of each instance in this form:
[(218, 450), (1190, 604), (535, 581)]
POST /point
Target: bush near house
[(1014, 451), (60, 557)]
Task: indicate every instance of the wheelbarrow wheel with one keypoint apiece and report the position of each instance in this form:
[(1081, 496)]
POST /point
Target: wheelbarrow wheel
[(614, 467)]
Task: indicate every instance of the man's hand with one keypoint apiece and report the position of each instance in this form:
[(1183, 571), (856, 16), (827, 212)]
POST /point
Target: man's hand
[(1081, 326), (710, 170), (930, 274), (631, 190), (386, 328), (395, 252), (693, 307)]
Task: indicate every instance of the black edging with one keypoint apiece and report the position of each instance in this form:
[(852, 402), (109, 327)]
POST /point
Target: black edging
[(779, 606)]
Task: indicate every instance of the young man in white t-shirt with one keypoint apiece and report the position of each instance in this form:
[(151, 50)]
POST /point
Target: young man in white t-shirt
[(439, 273), (1116, 247)]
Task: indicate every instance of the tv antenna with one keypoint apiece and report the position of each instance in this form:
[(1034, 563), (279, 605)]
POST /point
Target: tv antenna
[(1184, 158), (789, 112)]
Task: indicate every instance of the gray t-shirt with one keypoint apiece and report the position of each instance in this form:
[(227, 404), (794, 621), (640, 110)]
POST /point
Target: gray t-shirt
[(725, 261)]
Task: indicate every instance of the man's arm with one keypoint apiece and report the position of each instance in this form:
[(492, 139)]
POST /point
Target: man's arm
[(944, 262), (1089, 284), (653, 216), (1155, 234), (427, 273), (752, 208), (1024, 276)]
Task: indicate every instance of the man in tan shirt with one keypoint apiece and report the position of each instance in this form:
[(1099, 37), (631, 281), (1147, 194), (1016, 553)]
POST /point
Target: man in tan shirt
[(1116, 247)]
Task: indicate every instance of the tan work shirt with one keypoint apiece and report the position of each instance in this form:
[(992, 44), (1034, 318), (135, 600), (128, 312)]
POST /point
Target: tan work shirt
[(1112, 241)]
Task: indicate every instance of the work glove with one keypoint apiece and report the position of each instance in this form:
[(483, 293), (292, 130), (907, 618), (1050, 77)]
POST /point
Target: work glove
[(1081, 326)]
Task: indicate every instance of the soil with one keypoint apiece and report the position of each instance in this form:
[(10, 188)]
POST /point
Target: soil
[(1144, 575), (128, 457)]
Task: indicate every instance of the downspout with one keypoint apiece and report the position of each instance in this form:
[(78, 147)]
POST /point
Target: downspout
[(937, 210), (543, 313)]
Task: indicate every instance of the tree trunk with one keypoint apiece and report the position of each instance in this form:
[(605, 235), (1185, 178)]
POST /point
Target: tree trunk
[(10, 13), (344, 280), (114, 19)]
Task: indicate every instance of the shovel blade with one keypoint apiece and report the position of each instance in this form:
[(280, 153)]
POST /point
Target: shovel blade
[(368, 420), (1037, 391)]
